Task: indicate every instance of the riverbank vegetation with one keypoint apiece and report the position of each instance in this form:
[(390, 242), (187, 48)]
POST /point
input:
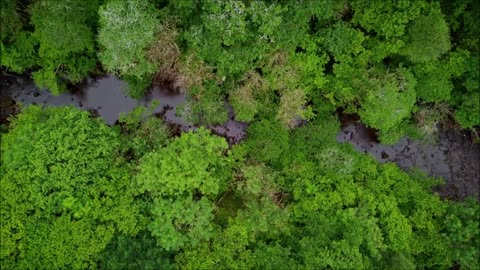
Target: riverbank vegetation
[(77, 193)]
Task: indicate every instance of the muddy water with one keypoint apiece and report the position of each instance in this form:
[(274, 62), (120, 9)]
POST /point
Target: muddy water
[(453, 157), (106, 98)]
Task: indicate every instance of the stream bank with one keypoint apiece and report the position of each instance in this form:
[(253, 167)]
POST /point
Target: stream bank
[(454, 156), (105, 97)]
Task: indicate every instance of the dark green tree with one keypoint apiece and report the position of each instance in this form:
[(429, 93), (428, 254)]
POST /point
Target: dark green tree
[(65, 34), (351, 212), (251, 237), (142, 132), (427, 37), (134, 252), (17, 46)]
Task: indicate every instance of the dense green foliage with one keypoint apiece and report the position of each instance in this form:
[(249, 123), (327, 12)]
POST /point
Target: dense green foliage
[(66, 42), (76, 193), (182, 179), (17, 47), (62, 44), (294, 200), (141, 133), (65, 191), (127, 29), (327, 54)]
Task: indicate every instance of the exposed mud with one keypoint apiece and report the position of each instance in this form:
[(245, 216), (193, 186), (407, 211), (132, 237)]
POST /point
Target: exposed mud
[(453, 157), (106, 98)]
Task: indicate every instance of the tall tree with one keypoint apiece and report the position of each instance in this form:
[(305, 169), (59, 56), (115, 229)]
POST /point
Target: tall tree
[(65, 34), (17, 46), (182, 180), (64, 190), (127, 29), (427, 37)]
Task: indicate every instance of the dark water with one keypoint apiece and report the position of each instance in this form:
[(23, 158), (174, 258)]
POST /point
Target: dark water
[(106, 98), (453, 157)]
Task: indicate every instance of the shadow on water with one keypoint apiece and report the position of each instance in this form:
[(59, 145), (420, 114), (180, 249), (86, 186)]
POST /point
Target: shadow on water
[(453, 157), (106, 97)]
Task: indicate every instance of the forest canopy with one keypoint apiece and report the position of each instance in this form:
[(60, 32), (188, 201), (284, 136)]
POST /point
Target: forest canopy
[(78, 193)]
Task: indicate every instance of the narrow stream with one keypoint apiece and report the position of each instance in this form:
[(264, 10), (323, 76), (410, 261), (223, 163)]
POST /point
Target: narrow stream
[(106, 98), (454, 157)]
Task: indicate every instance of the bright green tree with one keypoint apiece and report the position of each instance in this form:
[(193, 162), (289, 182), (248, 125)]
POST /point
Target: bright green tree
[(389, 101), (182, 180), (65, 192), (387, 18)]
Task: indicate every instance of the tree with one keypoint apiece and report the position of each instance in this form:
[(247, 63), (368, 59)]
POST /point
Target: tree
[(248, 242), (351, 212), (433, 81), (427, 37), (386, 23), (463, 66), (251, 237), (17, 46), (244, 98), (76, 193), (231, 37), (127, 30), (388, 102), (138, 252), (467, 114), (205, 104), (262, 146), (343, 42), (142, 132), (182, 180), (64, 190), (462, 226), (387, 18), (64, 31), (227, 28)]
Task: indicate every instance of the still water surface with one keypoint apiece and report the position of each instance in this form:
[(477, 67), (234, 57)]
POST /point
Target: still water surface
[(454, 157)]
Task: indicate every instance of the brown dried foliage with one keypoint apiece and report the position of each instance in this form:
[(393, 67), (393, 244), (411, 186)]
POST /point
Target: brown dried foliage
[(193, 72), (166, 54), (252, 83)]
